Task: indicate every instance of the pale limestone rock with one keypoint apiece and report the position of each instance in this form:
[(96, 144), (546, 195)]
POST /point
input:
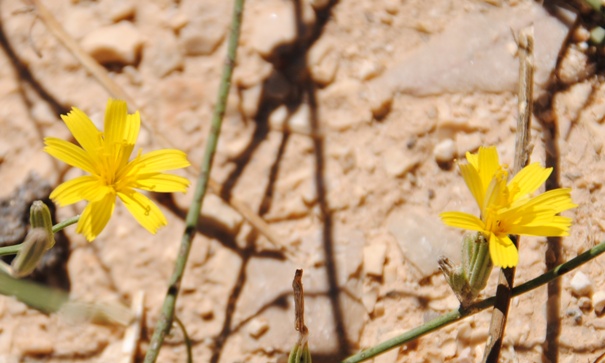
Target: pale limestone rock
[(257, 327), (323, 61), (445, 151), (80, 21), (580, 284), (391, 355), (467, 142), (319, 4), (162, 54), (584, 303), (206, 27), (370, 297), (575, 66), (273, 23), (368, 69), (398, 161), (250, 99), (218, 212), (598, 302), (423, 238), (380, 99), (119, 43), (374, 256), (118, 10)]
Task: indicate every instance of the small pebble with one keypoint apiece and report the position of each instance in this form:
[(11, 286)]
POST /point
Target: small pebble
[(598, 302), (373, 259), (119, 43), (581, 284), (445, 151), (257, 327), (584, 303)]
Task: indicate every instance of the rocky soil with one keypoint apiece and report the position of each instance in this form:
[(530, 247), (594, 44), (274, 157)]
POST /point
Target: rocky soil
[(342, 129)]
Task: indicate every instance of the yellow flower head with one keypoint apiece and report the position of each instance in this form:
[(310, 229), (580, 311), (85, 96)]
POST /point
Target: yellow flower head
[(105, 156), (507, 206)]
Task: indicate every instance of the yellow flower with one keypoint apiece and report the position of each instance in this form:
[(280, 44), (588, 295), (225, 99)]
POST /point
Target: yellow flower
[(508, 208), (105, 156)]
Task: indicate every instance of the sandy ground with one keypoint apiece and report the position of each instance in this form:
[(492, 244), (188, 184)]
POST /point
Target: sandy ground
[(380, 97)]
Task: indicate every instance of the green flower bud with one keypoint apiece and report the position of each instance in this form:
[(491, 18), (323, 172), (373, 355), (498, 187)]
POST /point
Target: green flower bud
[(39, 217), (31, 252), (468, 279)]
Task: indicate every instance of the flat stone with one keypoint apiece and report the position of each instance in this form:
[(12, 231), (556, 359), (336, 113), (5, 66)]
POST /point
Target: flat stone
[(216, 211), (397, 161), (257, 327), (374, 256), (162, 54), (445, 151), (598, 302), (117, 43), (580, 284)]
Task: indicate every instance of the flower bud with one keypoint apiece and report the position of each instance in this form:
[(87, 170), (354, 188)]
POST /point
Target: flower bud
[(31, 252), (39, 217)]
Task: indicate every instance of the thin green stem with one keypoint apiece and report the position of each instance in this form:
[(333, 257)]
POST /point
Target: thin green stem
[(12, 250), (458, 314), (68, 222), (167, 314)]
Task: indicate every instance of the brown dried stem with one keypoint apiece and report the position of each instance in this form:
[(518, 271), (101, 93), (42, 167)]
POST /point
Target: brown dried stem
[(522, 150)]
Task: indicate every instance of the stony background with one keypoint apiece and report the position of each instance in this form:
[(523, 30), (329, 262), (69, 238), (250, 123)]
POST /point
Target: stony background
[(379, 97)]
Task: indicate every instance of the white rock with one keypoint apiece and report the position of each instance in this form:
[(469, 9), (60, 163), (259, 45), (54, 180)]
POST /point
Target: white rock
[(120, 43), (250, 99), (422, 238), (374, 256), (323, 62), (274, 24), (584, 303), (163, 55), (368, 69), (580, 284), (598, 302), (467, 142), (575, 66), (397, 161), (369, 298), (445, 151), (319, 4), (206, 27), (257, 327)]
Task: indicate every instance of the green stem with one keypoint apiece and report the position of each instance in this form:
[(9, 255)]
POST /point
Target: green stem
[(12, 250), (167, 314), (458, 314), (68, 222)]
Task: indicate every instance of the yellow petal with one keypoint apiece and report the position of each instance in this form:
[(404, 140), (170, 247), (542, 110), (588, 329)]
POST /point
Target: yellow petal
[(488, 164), (73, 191), (557, 226), (529, 179), (462, 220), (502, 251), (84, 131), (161, 160), (69, 154), (556, 201), (115, 122), (163, 183), (473, 182), (95, 217), (144, 210)]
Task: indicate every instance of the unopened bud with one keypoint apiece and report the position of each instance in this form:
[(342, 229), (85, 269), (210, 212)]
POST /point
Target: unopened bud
[(31, 252), (468, 279), (39, 217)]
